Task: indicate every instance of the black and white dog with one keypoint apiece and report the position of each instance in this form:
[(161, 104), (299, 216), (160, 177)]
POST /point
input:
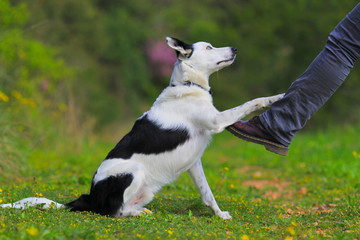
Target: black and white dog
[(166, 141)]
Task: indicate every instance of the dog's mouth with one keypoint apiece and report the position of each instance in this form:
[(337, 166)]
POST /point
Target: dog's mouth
[(230, 60)]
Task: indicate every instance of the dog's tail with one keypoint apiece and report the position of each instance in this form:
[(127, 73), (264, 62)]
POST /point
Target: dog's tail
[(106, 198), (25, 203), (80, 204)]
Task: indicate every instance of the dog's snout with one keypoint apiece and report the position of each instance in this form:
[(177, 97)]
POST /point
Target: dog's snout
[(234, 49)]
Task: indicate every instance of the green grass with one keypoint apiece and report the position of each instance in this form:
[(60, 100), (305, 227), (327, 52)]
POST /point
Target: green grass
[(311, 194)]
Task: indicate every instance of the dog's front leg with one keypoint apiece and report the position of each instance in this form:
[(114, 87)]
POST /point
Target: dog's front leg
[(197, 174), (228, 117)]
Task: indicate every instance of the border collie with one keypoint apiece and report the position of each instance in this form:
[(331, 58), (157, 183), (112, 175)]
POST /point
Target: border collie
[(166, 141)]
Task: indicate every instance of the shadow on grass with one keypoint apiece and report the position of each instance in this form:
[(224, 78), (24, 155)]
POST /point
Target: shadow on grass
[(180, 206)]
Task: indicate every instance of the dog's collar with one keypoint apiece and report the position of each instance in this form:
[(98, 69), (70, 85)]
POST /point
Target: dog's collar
[(189, 84)]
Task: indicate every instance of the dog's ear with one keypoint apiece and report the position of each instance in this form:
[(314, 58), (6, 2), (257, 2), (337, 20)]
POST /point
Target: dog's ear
[(180, 47)]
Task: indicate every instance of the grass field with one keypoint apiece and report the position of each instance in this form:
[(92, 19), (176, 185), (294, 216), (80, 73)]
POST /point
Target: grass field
[(313, 193)]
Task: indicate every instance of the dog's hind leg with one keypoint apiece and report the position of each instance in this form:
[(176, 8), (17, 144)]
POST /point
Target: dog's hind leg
[(197, 174), (136, 195)]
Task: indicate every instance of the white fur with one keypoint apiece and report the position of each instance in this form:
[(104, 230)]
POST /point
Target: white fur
[(187, 107), (33, 202)]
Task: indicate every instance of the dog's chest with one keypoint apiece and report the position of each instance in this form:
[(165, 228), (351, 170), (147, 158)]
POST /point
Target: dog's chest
[(165, 167)]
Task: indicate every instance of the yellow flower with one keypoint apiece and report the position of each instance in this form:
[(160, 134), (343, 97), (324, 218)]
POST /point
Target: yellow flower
[(0, 190), (32, 231), (39, 194), (291, 231), (245, 237), (1, 200), (27, 101), (16, 94), (4, 97), (288, 238), (355, 154), (22, 100)]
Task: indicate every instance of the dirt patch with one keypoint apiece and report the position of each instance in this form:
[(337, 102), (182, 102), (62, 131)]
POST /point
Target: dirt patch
[(273, 189)]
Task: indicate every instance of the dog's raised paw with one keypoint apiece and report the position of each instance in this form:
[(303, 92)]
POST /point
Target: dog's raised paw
[(279, 96), (275, 98)]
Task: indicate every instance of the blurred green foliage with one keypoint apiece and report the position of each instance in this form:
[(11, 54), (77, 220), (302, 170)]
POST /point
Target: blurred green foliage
[(91, 54), (26, 65)]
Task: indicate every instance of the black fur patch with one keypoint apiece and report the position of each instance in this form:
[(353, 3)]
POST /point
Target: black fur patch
[(106, 196), (148, 138)]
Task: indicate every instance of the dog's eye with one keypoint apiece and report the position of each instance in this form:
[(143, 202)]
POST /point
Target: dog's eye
[(209, 48)]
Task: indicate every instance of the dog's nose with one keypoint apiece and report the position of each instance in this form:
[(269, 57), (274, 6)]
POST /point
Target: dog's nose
[(234, 49)]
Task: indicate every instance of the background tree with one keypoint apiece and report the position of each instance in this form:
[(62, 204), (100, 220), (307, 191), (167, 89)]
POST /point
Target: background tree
[(108, 43)]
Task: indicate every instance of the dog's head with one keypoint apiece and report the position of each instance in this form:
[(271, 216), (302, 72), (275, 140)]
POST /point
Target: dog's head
[(196, 62), (202, 56)]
